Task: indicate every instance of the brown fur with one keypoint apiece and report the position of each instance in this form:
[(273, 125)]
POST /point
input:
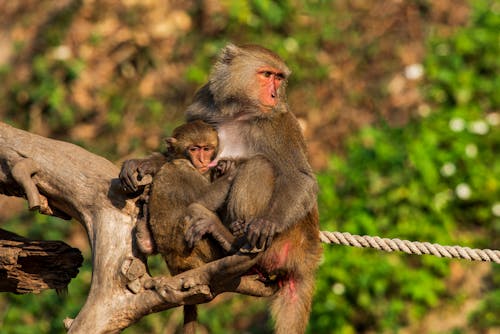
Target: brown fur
[(273, 195), (274, 190), (176, 185)]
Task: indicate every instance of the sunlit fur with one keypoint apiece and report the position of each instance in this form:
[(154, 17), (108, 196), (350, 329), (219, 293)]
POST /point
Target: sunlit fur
[(177, 185), (231, 87), (274, 191), (193, 132)]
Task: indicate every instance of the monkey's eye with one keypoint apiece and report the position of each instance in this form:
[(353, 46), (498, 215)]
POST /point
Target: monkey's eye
[(267, 74), (194, 148), (207, 148), (280, 76)]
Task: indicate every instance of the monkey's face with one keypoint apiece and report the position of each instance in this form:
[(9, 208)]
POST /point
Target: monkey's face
[(201, 156), (254, 77), (269, 80)]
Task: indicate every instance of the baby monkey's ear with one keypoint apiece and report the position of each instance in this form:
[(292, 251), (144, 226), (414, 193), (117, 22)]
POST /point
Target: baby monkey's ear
[(170, 142)]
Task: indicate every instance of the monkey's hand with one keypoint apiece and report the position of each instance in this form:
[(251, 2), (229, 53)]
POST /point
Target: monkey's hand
[(197, 230), (238, 228), (127, 175), (134, 170), (225, 167), (260, 233)]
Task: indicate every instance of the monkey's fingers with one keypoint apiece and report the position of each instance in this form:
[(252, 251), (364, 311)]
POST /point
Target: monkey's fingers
[(191, 238), (260, 233), (247, 249), (129, 167), (224, 166), (269, 238), (195, 233), (238, 228), (253, 232), (257, 241), (128, 178)]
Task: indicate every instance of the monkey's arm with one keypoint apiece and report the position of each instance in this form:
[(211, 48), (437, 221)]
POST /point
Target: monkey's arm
[(134, 170), (293, 197), (215, 196), (204, 221)]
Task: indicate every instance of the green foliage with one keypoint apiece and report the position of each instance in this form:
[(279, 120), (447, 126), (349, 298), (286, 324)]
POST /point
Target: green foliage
[(435, 179), (462, 68), (486, 316), (47, 90), (44, 313)]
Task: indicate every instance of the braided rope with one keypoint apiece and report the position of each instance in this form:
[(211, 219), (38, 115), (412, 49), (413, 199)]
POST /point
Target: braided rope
[(410, 247)]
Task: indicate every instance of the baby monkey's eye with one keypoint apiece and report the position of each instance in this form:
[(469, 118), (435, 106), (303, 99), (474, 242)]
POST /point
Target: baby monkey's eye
[(194, 148)]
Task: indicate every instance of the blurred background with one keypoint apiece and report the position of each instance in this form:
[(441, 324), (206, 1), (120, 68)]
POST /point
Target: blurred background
[(399, 102)]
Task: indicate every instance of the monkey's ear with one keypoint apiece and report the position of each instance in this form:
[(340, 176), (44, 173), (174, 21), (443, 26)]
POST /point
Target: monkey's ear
[(170, 141), (228, 53)]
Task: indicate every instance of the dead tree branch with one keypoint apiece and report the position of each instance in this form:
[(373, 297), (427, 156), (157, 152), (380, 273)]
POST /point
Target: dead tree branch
[(29, 266), (64, 180)]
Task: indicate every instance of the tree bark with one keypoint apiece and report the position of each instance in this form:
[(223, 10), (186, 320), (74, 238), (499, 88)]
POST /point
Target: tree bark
[(64, 180), (33, 266)]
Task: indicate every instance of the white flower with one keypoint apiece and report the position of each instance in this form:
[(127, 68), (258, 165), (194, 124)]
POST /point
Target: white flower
[(479, 127), (493, 118), (471, 150), (338, 288), (414, 71), (463, 191), (495, 209), (291, 45), (457, 124), (448, 169)]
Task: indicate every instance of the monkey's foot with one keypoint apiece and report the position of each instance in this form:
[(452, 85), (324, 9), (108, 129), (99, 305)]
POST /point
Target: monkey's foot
[(183, 290), (145, 243)]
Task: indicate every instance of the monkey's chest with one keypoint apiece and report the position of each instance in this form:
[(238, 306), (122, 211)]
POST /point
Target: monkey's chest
[(232, 142)]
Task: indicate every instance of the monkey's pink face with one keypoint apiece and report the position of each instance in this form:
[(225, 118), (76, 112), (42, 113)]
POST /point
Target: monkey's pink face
[(269, 81), (201, 156)]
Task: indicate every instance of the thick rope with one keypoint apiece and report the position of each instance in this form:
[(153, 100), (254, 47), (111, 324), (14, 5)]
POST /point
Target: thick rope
[(410, 247)]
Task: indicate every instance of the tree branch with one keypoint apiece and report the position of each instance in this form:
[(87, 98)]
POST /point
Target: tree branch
[(64, 180), (32, 266)]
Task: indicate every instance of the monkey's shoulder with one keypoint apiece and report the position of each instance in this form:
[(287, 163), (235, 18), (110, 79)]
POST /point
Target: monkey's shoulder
[(183, 164), (176, 166), (179, 174)]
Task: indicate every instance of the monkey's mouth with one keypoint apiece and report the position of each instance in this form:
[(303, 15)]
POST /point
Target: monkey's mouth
[(203, 170)]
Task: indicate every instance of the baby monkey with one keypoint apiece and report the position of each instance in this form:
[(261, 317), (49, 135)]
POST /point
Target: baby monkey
[(187, 186)]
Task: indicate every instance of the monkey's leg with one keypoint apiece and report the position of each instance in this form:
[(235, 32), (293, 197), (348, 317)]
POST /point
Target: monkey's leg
[(143, 235), (144, 238), (252, 188), (294, 257), (249, 197), (190, 319)]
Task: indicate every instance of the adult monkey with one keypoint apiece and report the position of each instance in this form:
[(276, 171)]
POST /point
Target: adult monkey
[(245, 100)]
